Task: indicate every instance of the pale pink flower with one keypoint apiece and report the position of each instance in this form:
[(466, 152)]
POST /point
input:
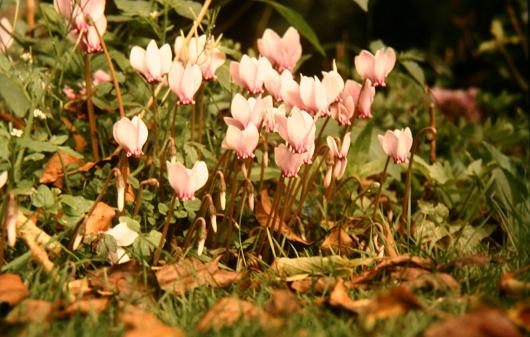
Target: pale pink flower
[(318, 95), (131, 135), (308, 155), (458, 102), (270, 118), (6, 40), (69, 92), (250, 73), (3, 179), (340, 156), (100, 77), (202, 51), (124, 237), (185, 182), (245, 111), (243, 141), (152, 62), (288, 161), (80, 14), (298, 130), (333, 83), (397, 144), (283, 52), (290, 91), (354, 97), (185, 82), (376, 68)]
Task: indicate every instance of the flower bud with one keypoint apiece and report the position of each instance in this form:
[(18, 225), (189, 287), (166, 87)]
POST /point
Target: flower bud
[(120, 191), (203, 233), (11, 220), (266, 159), (3, 179), (327, 178), (222, 199)]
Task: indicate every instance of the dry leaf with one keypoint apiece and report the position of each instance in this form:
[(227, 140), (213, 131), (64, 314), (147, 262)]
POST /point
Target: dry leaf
[(485, 322), (27, 229), (79, 287), (191, 273), (28, 311), (12, 289), (472, 260), (144, 324), (338, 241), (389, 263), (520, 314), (283, 302), (511, 286), (415, 278), (85, 306), (319, 285), (262, 210), (305, 266), (100, 219), (229, 310), (79, 141), (53, 171), (339, 297), (395, 302), (126, 279)]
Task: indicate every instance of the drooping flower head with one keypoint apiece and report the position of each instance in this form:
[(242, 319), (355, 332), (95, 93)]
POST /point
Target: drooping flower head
[(152, 62), (243, 141), (185, 81), (131, 135), (245, 111), (283, 52), (340, 156), (5, 34), (124, 237), (397, 144), (375, 67), (298, 130), (185, 182), (289, 162), (250, 73), (202, 51)]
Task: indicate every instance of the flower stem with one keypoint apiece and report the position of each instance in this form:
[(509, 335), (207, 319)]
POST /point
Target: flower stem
[(378, 195), (201, 113), (158, 251), (90, 108)]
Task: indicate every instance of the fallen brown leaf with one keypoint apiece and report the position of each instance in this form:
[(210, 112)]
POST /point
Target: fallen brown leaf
[(27, 229), (100, 219), (415, 278), (53, 170), (339, 297), (283, 302), (485, 322), (316, 284), (29, 311), (128, 280), (390, 263), (511, 286), (79, 287), (191, 273), (262, 210), (338, 241), (85, 306), (520, 314), (144, 324), (12, 289), (229, 310), (472, 260)]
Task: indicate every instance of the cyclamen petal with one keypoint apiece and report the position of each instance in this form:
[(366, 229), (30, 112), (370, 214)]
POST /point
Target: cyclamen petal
[(289, 162), (397, 144), (131, 135), (185, 182), (5, 34), (123, 235), (375, 67), (298, 130), (185, 82), (152, 62), (282, 52), (244, 141)]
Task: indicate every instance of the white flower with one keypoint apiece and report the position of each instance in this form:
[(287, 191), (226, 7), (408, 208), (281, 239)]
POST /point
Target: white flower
[(124, 237), (37, 113), (16, 132)]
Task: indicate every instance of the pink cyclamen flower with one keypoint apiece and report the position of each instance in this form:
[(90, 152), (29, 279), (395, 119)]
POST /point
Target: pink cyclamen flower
[(289, 162), (185, 82), (84, 15), (245, 111), (6, 40), (152, 62), (270, 118), (283, 52), (243, 141), (354, 99), (397, 144), (333, 83), (250, 73), (298, 130), (202, 51), (375, 67), (100, 76), (185, 182), (131, 135), (318, 95), (340, 156)]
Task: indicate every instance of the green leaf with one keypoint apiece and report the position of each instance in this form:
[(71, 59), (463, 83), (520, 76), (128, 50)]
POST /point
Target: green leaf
[(37, 146), (75, 205), (363, 4), (134, 8), (185, 8), (131, 223), (435, 172), (43, 198), (294, 18), (14, 95), (415, 71), (145, 244)]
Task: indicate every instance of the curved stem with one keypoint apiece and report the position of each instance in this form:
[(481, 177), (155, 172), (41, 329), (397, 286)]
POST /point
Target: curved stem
[(383, 176), (158, 251), (90, 108)]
